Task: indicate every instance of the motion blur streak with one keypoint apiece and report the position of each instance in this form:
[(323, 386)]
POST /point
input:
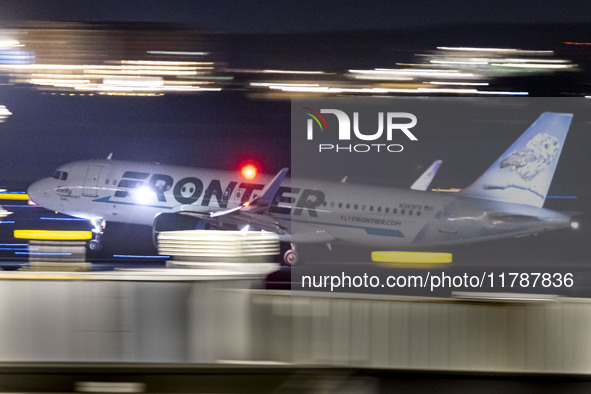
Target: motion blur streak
[(52, 234), (411, 257), (150, 60), (13, 196)]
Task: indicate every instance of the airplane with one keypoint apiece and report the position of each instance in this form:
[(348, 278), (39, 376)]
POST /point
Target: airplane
[(506, 201)]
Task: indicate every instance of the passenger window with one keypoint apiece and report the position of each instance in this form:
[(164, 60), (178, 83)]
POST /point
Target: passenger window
[(410, 212), (64, 176), (57, 175), (371, 208), (394, 210), (355, 206), (363, 207), (387, 209), (379, 209), (332, 204), (402, 211), (418, 213), (340, 205), (348, 206)]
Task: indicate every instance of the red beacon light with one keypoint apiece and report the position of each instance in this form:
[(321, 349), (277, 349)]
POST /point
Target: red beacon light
[(249, 171)]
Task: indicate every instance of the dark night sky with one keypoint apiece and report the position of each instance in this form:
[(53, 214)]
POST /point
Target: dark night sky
[(48, 131), (299, 16)]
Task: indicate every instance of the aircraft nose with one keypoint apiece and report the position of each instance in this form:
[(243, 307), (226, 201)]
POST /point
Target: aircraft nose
[(37, 191)]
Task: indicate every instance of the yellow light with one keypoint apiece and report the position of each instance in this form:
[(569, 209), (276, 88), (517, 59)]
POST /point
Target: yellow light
[(52, 234), (450, 190), (249, 171), (11, 196), (411, 257)]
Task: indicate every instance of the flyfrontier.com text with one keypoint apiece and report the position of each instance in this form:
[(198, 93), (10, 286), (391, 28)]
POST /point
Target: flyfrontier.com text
[(440, 280)]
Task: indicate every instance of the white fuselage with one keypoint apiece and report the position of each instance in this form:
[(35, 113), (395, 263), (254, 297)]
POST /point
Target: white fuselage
[(307, 210)]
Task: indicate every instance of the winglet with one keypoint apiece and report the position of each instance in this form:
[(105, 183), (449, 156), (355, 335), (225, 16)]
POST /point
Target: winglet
[(268, 193), (261, 203), (422, 183)]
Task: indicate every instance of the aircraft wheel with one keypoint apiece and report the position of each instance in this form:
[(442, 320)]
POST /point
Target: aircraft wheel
[(291, 257), (95, 245)]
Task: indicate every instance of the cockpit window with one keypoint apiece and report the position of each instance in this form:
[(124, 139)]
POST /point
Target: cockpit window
[(60, 175)]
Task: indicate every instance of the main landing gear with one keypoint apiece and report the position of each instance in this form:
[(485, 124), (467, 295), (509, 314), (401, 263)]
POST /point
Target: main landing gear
[(95, 245), (291, 257)]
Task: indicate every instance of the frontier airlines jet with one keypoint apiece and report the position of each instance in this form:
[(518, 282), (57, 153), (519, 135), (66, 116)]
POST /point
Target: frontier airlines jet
[(506, 201)]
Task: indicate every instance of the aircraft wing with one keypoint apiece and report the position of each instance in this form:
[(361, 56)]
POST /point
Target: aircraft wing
[(288, 231), (255, 216)]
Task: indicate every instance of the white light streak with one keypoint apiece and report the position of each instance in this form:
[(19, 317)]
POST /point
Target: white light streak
[(504, 93), (533, 65), (499, 50), (179, 53), (416, 73), (458, 83)]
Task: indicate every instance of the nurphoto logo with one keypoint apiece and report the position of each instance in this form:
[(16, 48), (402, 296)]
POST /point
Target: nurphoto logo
[(390, 125)]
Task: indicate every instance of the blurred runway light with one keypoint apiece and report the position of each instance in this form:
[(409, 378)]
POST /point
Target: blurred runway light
[(4, 213), (138, 256), (66, 219), (4, 113), (52, 234), (13, 196), (411, 257), (9, 43), (110, 387), (45, 253)]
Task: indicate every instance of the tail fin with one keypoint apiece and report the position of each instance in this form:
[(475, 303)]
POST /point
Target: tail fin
[(522, 175)]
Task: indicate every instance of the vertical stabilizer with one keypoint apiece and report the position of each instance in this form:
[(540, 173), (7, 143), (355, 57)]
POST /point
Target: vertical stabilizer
[(522, 175)]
